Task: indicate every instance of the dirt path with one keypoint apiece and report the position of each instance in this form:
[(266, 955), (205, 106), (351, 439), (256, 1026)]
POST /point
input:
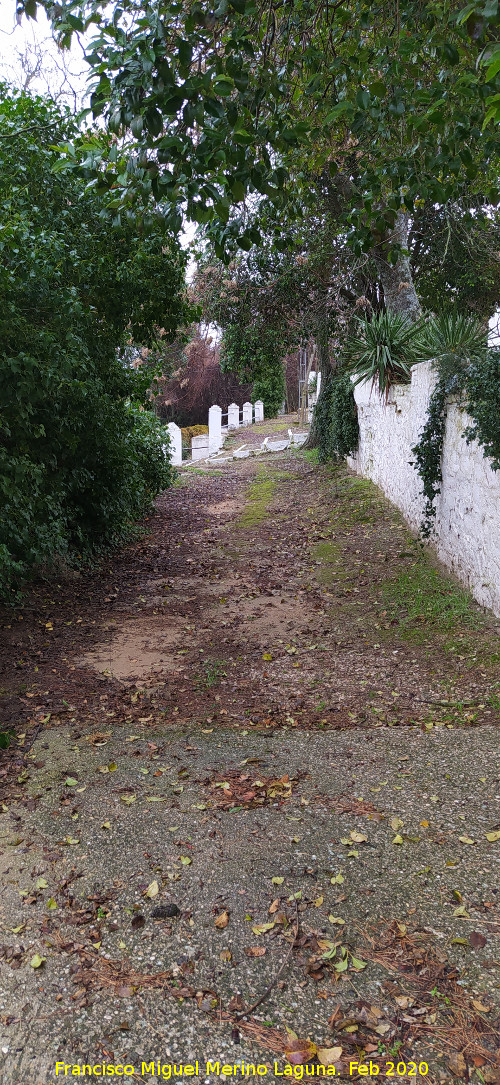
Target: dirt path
[(275, 718)]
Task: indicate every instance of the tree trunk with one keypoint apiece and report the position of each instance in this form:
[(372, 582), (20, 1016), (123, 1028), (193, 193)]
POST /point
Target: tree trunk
[(397, 281), (323, 364)]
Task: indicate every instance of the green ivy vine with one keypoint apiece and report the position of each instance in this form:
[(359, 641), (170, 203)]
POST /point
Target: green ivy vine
[(479, 386), (336, 419)]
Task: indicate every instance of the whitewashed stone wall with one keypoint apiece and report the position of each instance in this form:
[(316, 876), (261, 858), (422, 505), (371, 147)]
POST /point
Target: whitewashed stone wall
[(468, 507)]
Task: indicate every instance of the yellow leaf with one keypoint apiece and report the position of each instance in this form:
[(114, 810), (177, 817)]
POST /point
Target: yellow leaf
[(106, 825), (277, 881), (263, 928), (16, 930), (424, 824), (493, 836), (267, 656), (51, 904), (222, 921), (299, 1052), (152, 890), (41, 883), (337, 920), (358, 838), (318, 902), (72, 840), (37, 961), (396, 824), (328, 1056), (466, 840), (337, 880), (128, 799), (398, 839), (186, 860)]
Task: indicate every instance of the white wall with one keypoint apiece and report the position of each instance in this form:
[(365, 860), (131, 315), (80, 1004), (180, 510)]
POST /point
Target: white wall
[(468, 507)]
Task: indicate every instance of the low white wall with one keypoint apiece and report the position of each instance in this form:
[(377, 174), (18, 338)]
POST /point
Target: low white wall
[(467, 509)]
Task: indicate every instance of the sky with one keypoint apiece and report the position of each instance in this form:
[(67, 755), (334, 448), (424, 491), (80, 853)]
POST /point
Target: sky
[(29, 57)]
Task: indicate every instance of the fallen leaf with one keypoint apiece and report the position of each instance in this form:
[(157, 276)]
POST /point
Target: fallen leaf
[(336, 919), (263, 928), (358, 838), (493, 836), (480, 1007), (152, 890), (466, 840), (277, 881), (255, 951), (106, 825), (267, 656), (457, 1064), (477, 940), (51, 904), (357, 964), (299, 1052), (396, 824), (72, 840), (461, 912), (37, 961), (222, 921), (398, 839), (274, 906), (337, 880), (41, 883), (318, 902), (328, 1056), (225, 955), (186, 860), (70, 781), (128, 799)]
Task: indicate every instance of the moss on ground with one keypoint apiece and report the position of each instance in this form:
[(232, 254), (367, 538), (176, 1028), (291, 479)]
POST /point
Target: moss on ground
[(260, 496)]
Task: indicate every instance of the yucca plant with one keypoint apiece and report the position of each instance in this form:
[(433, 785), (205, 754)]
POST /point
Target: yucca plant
[(453, 341), (383, 351)]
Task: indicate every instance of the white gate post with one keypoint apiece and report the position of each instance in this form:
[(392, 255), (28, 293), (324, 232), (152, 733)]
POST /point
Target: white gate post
[(247, 414), (318, 385), (259, 410), (175, 449), (233, 416), (214, 429)]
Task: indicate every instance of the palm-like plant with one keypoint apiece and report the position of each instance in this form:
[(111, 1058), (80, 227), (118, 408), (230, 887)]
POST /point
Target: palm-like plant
[(453, 341), (383, 350)]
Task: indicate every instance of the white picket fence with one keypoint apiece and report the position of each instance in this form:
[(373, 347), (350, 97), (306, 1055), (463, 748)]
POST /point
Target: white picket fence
[(219, 423)]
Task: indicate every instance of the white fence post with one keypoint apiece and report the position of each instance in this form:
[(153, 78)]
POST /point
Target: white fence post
[(200, 447), (259, 410), (214, 429), (175, 444), (233, 416), (247, 414), (318, 385)]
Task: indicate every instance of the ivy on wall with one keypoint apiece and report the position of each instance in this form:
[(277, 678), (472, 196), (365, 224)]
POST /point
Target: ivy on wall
[(479, 388), (336, 419)]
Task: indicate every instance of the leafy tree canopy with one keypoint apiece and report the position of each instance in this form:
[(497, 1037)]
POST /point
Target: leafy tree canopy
[(215, 102), (77, 463)]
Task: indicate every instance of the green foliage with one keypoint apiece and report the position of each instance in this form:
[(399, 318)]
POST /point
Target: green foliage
[(429, 452), (214, 102), (453, 340), (454, 256), (383, 350), (255, 353), (77, 464), (483, 404), (457, 345), (335, 419)]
